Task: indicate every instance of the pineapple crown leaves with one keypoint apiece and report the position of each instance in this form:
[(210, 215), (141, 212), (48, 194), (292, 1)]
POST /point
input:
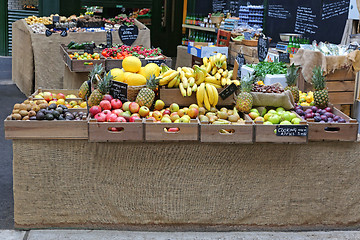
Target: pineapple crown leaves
[(105, 84), (247, 83), (98, 68), (152, 82), (292, 75), (318, 78)]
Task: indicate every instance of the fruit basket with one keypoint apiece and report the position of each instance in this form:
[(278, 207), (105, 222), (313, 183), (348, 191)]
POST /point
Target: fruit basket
[(333, 131), (116, 131), (227, 133), (250, 43), (157, 132), (170, 95), (76, 65)]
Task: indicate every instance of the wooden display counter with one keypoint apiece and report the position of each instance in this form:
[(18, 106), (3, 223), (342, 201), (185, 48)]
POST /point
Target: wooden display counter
[(33, 51), (186, 186)]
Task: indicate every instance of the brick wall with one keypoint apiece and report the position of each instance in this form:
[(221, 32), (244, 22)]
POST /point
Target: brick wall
[(18, 4)]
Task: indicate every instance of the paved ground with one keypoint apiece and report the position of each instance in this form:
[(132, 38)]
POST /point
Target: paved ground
[(9, 95)]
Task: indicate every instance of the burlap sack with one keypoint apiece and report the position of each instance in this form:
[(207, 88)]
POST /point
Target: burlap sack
[(284, 99), (308, 59)]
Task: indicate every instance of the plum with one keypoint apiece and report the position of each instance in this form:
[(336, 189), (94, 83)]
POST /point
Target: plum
[(317, 114), (322, 121), (308, 115), (317, 118), (336, 118), (323, 117), (323, 112), (328, 109), (314, 108), (330, 120), (319, 110), (300, 112), (328, 114), (308, 110), (341, 120)]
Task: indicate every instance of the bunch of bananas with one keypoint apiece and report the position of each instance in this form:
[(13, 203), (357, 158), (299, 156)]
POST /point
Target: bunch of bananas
[(34, 19), (207, 96), (216, 71)]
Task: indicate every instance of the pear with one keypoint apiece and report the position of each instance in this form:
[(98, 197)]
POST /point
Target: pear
[(222, 115)]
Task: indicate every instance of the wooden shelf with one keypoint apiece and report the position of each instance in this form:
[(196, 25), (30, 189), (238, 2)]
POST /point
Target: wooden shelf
[(199, 28)]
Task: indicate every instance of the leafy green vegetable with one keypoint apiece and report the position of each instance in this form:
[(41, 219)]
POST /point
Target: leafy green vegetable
[(263, 68)]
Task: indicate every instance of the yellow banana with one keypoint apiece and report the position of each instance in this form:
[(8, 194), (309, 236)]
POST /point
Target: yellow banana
[(224, 65), (206, 101), (205, 61), (182, 90), (189, 75), (228, 81), (223, 81), (220, 71), (173, 75), (208, 68), (237, 82), (211, 80), (182, 74), (216, 85), (177, 82), (185, 82), (186, 70), (172, 82), (164, 81), (200, 93), (225, 73), (189, 91), (218, 76), (203, 66), (179, 69), (209, 93), (214, 71), (194, 88), (167, 73), (211, 60), (215, 94), (223, 58), (191, 81)]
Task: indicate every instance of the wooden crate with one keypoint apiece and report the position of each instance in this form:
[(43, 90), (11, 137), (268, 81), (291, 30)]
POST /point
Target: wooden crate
[(117, 63), (241, 133), (155, 132), (129, 131), (79, 65), (45, 129), (56, 91), (173, 95), (333, 131), (266, 133)]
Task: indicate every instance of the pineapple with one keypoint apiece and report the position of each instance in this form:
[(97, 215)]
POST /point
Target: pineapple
[(321, 94), (291, 77), (84, 91), (146, 96), (244, 100), (103, 88)]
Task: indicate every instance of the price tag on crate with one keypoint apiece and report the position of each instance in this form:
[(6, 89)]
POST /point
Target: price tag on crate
[(156, 61), (89, 48), (284, 57), (263, 48), (128, 34), (224, 94), (119, 90), (353, 47), (292, 130), (48, 33)]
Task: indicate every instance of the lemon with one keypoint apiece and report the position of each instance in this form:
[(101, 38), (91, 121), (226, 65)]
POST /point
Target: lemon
[(152, 69), (117, 74), (131, 64)]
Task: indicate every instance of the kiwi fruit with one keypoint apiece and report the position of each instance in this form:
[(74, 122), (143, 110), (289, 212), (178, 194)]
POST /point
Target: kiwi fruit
[(32, 113), (17, 106), (16, 116), (24, 113), (26, 118), (23, 106)]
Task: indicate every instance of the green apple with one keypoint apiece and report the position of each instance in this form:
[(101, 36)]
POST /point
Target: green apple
[(255, 110), (268, 123), (285, 116), (253, 115), (166, 120), (292, 116), (272, 111), (285, 123), (266, 116), (296, 120), (184, 119), (275, 119), (174, 107), (280, 109)]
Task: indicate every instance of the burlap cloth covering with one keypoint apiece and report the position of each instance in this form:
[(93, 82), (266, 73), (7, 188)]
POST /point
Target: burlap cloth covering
[(44, 62), (63, 183), (308, 59)]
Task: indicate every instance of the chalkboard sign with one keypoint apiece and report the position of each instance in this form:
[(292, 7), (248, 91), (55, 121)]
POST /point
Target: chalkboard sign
[(224, 94), (56, 19), (157, 61), (63, 33), (263, 48), (119, 90), (128, 34), (241, 61), (89, 48), (314, 19), (219, 5), (284, 57), (353, 47), (109, 39), (292, 130), (48, 33)]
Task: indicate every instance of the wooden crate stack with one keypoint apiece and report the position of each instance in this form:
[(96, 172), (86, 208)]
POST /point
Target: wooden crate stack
[(250, 53)]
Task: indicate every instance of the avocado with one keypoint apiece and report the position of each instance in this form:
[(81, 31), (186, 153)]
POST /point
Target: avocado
[(56, 114), (52, 106), (59, 109), (49, 116), (40, 115)]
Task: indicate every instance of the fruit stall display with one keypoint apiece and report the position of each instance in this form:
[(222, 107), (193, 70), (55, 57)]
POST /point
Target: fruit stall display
[(69, 98)]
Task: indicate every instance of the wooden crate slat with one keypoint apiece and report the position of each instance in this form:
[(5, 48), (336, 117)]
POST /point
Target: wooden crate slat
[(341, 74), (341, 97), (341, 86)]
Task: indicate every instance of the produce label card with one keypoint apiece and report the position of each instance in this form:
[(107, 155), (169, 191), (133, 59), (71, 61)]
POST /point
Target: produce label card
[(119, 90), (292, 130)]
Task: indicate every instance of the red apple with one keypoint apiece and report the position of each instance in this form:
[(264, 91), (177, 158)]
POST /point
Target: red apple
[(193, 112), (120, 119), (152, 118), (174, 107), (173, 129), (105, 105), (144, 111), (60, 96), (157, 115), (132, 119), (117, 112), (106, 112), (167, 111), (48, 96), (116, 104), (174, 116), (111, 117), (100, 117), (107, 97), (126, 115), (94, 110), (125, 106), (134, 107), (135, 114)]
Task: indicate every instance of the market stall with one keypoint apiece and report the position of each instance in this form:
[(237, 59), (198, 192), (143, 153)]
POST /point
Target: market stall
[(36, 57)]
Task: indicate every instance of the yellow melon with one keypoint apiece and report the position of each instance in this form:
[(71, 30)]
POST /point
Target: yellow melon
[(126, 76), (131, 64), (142, 71), (117, 74), (152, 69), (135, 79)]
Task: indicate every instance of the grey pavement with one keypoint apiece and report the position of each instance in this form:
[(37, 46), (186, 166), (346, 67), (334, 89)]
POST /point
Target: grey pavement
[(124, 235)]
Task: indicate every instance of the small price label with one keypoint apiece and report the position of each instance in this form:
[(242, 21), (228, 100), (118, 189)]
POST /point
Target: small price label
[(353, 47), (48, 33), (156, 61), (224, 94), (292, 130), (284, 57), (119, 90)]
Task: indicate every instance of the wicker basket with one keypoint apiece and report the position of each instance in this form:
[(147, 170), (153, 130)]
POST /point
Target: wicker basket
[(250, 43), (133, 91)]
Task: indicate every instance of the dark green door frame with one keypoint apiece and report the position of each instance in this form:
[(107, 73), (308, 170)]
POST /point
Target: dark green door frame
[(3, 28)]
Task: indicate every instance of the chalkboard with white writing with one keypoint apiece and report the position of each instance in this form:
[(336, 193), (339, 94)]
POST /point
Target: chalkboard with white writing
[(128, 34)]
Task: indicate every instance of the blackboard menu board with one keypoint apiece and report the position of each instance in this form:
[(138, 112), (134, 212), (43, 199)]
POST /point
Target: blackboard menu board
[(119, 90), (219, 5), (263, 48), (322, 20), (128, 34)]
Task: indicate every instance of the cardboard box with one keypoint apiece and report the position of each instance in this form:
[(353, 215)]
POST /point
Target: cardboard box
[(206, 49), (269, 79)]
